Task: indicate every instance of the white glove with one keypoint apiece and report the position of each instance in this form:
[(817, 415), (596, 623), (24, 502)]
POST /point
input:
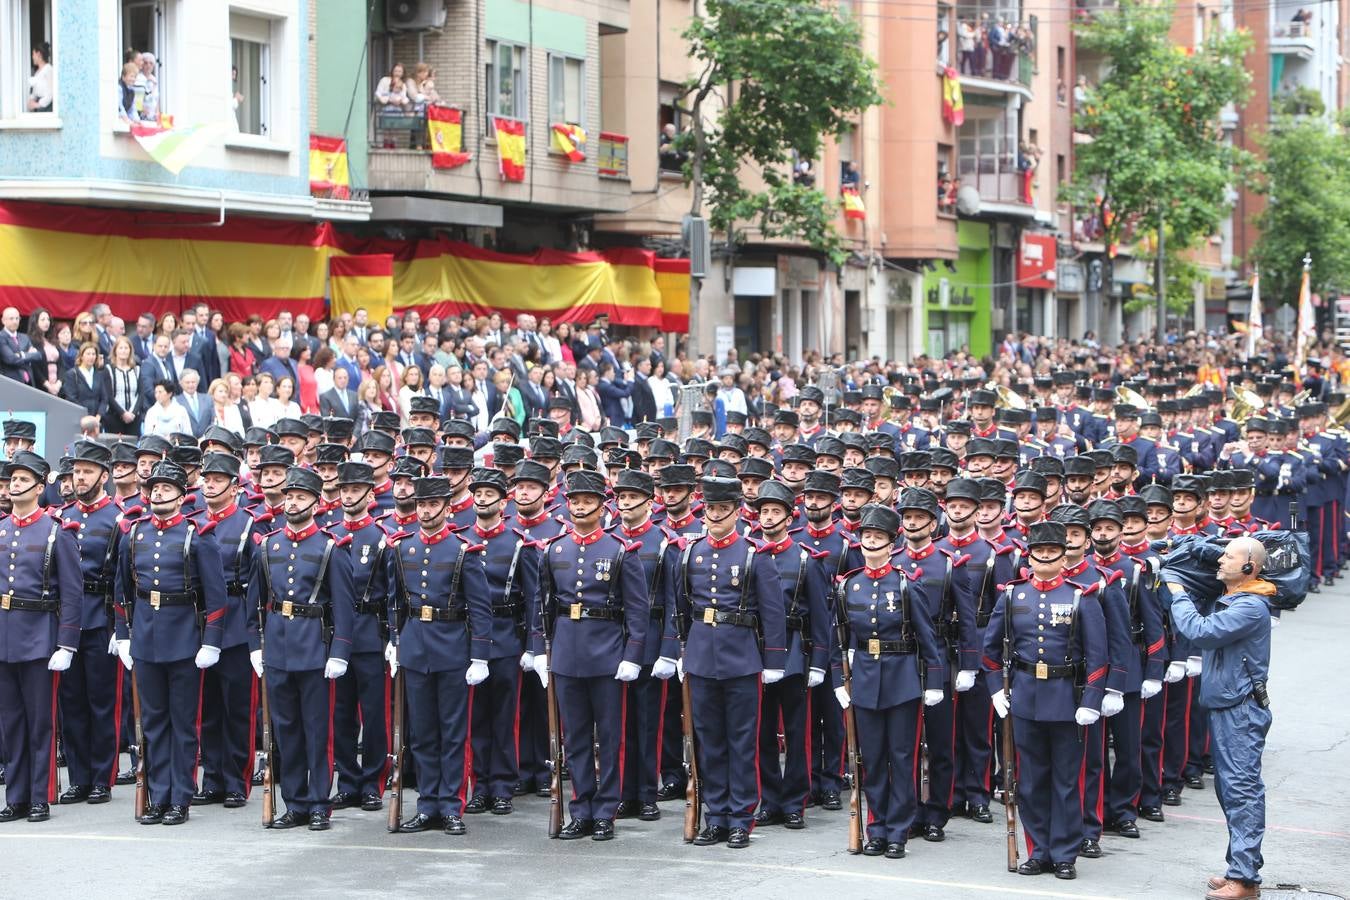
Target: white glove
[(478, 672), (815, 677), (1112, 703), (335, 668), (664, 667), (628, 671), (1193, 666), (541, 669), (772, 676), (527, 660), (1085, 716), (124, 654), (841, 694), (933, 696), (679, 668), (850, 656), (965, 680), (60, 660), (391, 657), (1176, 670), (1001, 703), (255, 660), (112, 645), (207, 656), (1150, 688)]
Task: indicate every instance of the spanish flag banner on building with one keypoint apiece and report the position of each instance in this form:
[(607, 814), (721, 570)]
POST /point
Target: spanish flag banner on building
[(362, 282), (570, 141), (328, 174), (853, 204), (445, 128), (175, 148), (953, 104), (511, 148)]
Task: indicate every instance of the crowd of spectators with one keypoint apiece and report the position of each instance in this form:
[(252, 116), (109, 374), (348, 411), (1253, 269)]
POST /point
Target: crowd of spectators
[(990, 47), (138, 88)]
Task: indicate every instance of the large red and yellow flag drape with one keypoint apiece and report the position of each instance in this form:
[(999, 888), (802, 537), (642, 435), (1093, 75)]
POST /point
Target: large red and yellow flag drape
[(570, 141), (328, 173), (362, 282), (445, 128), (953, 102), (853, 204), (511, 148)]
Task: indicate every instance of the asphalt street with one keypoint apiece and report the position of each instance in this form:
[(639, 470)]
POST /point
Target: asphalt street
[(100, 850)]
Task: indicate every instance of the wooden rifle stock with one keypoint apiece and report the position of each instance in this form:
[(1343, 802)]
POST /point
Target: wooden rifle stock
[(855, 818), (1009, 751), (269, 793), (693, 793), (555, 751), (141, 801), (396, 758)]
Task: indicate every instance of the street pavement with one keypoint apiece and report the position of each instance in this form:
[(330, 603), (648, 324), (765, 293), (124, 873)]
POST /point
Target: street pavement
[(88, 850)]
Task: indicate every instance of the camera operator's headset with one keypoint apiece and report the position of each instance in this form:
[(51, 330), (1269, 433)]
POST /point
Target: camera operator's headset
[(1247, 567)]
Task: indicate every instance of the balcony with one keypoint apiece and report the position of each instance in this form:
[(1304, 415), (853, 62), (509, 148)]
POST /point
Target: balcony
[(997, 73), (611, 159), (1291, 38), (1000, 190)]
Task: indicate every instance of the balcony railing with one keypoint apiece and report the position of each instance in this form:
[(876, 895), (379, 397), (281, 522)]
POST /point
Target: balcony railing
[(1012, 66), (612, 155), (398, 129), (997, 179)]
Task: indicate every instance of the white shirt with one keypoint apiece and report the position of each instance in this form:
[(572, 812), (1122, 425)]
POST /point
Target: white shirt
[(40, 85), (167, 420), (229, 418)]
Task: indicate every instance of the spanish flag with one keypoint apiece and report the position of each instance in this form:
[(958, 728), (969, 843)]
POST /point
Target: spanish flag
[(853, 204), (570, 140), (362, 282), (953, 104), (328, 173), (446, 130), (511, 148)]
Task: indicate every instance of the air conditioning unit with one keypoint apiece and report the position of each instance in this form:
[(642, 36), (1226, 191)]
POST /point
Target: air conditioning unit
[(696, 243), (414, 15)]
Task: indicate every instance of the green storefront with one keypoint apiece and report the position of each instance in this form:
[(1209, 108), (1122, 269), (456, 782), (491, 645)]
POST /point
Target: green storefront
[(957, 307)]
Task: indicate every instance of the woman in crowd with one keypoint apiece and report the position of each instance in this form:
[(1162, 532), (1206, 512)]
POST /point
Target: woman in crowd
[(549, 383), (223, 412), (478, 394), (309, 387), (220, 339), (66, 346), (41, 86), (47, 371), (508, 400), (391, 92), (552, 345), (367, 402), (662, 390), (124, 375), (83, 331), (165, 417), (588, 398), (386, 392), (578, 339), (363, 363), (87, 383), (412, 386), (263, 409), (324, 362), (168, 324), (243, 362), (286, 401), (337, 333), (257, 341)]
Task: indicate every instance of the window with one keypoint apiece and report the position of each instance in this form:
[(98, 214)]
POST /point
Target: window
[(506, 80), (251, 73), (27, 65), (144, 30), (566, 90)]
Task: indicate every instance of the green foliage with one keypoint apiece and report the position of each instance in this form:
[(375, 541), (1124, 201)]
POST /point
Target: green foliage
[(776, 77), (1157, 144), (1182, 274), (1306, 180), (1300, 101)]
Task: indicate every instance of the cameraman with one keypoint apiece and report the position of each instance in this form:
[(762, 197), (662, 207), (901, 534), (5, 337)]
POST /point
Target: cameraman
[(1235, 641)]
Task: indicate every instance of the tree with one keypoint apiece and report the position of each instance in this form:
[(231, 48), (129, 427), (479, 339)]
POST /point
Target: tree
[(775, 77), (1306, 180), (1158, 153)]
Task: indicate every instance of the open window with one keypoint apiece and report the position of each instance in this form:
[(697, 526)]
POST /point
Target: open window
[(251, 73), (566, 90), (145, 39), (27, 59), (506, 82)]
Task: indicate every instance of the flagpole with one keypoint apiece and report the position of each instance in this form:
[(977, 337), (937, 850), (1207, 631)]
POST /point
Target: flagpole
[(1255, 323), (1306, 319)]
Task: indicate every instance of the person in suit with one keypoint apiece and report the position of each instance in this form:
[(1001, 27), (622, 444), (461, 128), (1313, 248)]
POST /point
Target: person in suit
[(199, 408), (143, 339), (279, 365), (103, 317), (341, 400), (87, 384), (410, 355), (157, 367), (613, 391), (459, 400), (16, 350), (644, 401)]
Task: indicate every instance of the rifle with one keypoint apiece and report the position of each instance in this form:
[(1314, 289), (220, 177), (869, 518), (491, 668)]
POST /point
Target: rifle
[(142, 789), (1009, 751), (855, 819), (693, 790), (269, 794), (396, 756), (555, 748)]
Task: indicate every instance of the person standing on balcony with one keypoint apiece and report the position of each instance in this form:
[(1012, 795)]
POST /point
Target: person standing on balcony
[(965, 42)]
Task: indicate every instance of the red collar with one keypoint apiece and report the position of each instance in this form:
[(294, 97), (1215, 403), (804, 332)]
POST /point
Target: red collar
[(723, 543), (878, 574), (584, 540), (918, 555), (308, 530), (530, 523), (639, 531), (823, 532), (432, 539), (491, 532), (1071, 571), (29, 520), (776, 548), (750, 515), (462, 505), (224, 513), (1046, 585), (966, 541), (405, 520), (384, 488), (1108, 560), (95, 506), (166, 524), (357, 524), (680, 523), (275, 512), (850, 525), (999, 539), (1186, 529), (327, 506), (988, 432), (1129, 440)]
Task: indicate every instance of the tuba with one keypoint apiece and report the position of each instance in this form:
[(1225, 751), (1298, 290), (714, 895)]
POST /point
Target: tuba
[(1132, 397), (1008, 398), (1342, 414), (1247, 404)]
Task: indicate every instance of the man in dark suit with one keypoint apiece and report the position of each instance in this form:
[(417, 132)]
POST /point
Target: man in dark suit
[(199, 407), (567, 388), (459, 402), (102, 314), (202, 346), (143, 338), (644, 401), (279, 364), (16, 351), (181, 353), (341, 400), (156, 367), (410, 355), (300, 332)]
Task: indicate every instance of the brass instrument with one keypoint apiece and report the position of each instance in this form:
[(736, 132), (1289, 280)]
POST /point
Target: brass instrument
[(1008, 398), (1341, 415), (1195, 391), (1301, 398), (1132, 397), (1247, 404)]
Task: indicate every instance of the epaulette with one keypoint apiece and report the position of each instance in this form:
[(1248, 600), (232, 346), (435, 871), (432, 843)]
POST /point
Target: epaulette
[(207, 527), (1005, 549), (1090, 589), (959, 561), (341, 541), (262, 518), (71, 525), (817, 554), (474, 548)]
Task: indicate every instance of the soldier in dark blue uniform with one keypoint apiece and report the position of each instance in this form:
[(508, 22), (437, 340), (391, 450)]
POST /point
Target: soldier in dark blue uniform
[(734, 633), (893, 651), (273, 462), (456, 463), (41, 611), (91, 687), (170, 595), (1052, 634), (786, 788), (441, 636), (327, 458), (596, 613), (229, 689), (361, 694), (301, 587), (682, 522), (377, 451)]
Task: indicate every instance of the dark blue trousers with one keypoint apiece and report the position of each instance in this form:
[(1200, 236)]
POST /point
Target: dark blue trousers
[(89, 694), (1239, 739), (672, 735), (1314, 519), (642, 737), (229, 706), (592, 713), (1049, 757), (827, 740), (1092, 784), (939, 733), (27, 721), (496, 702), (974, 745), (361, 719), (1123, 785), (785, 787), (1198, 738), (533, 743), (1333, 527), (302, 724), (1151, 749), (1176, 732), (889, 742), (439, 709), (726, 728), (171, 695)]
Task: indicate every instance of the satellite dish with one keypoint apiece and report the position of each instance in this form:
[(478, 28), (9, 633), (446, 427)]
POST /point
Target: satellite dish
[(968, 201)]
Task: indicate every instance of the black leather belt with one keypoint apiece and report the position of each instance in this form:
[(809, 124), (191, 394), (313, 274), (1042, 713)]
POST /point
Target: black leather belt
[(875, 647), (290, 609), (658, 612), (24, 604), (1043, 671), (982, 619), (796, 623), (235, 588), (433, 614), (576, 612), (157, 599), (506, 610), (97, 586), (715, 617), (370, 608)]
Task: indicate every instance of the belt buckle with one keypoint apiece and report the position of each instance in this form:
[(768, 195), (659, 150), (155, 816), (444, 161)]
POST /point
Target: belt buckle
[(427, 614), (5, 601), (873, 647), (710, 617), (1042, 671), (154, 599), (288, 608), (574, 612)]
